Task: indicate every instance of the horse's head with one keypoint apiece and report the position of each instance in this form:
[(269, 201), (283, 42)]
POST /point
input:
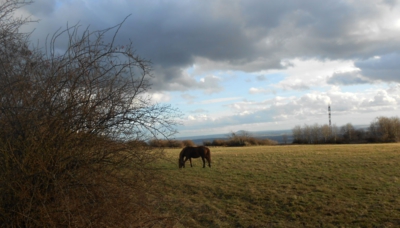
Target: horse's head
[(181, 163)]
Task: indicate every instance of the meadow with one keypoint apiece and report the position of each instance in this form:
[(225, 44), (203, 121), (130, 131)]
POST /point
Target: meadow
[(285, 186)]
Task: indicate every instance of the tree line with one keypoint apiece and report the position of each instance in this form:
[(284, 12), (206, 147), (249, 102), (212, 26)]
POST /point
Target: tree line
[(242, 138), (382, 129), (239, 139)]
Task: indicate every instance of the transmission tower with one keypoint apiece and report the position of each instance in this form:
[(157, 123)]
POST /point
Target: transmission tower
[(329, 114)]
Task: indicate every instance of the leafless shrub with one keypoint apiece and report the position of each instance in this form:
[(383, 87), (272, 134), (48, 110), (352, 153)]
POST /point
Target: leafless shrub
[(219, 142), (73, 125), (165, 143), (174, 144), (188, 143), (157, 143), (246, 139), (268, 142)]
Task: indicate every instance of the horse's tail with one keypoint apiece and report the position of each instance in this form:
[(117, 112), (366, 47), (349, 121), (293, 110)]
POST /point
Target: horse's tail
[(208, 151)]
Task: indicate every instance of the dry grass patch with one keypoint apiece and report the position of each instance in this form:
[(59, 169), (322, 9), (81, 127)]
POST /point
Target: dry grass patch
[(287, 186)]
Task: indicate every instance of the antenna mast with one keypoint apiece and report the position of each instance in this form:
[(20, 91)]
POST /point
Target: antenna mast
[(329, 114)]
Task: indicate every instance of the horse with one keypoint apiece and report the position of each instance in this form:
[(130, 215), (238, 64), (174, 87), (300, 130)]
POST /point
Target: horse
[(190, 152)]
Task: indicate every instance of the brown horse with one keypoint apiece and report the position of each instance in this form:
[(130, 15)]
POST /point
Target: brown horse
[(190, 152)]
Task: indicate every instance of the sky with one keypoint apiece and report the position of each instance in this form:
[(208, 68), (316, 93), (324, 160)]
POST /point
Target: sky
[(253, 65)]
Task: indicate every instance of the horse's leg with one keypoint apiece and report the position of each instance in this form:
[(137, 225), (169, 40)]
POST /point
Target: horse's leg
[(204, 162), (209, 163), (190, 159), (185, 162)]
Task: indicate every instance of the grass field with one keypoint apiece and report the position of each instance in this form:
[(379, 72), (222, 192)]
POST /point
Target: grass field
[(286, 186)]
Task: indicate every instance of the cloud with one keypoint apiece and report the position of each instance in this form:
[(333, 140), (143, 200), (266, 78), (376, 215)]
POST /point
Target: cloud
[(189, 98), (307, 109), (381, 68), (171, 79), (204, 65), (210, 84), (382, 98), (199, 111), (347, 78), (160, 97), (42, 7), (391, 3), (305, 74), (296, 85), (174, 79), (249, 36), (253, 90)]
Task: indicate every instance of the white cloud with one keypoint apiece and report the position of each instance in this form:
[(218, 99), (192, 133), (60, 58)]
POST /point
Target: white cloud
[(200, 110), (309, 73), (160, 97), (381, 98), (309, 108), (253, 90), (210, 84)]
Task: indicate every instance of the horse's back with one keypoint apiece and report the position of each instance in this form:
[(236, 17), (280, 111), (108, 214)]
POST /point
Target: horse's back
[(205, 150), (196, 152)]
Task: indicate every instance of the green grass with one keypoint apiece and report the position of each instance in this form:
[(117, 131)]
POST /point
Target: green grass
[(286, 186)]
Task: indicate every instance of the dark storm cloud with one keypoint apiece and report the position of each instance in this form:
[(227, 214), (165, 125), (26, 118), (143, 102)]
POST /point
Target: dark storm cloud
[(239, 34), (384, 68), (42, 7)]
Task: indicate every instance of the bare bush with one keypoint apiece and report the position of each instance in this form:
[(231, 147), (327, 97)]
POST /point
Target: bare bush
[(188, 143), (73, 124), (267, 142), (238, 139), (165, 143), (174, 144), (246, 139), (157, 143), (219, 142)]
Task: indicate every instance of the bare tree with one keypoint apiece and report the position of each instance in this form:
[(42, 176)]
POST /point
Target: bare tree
[(307, 136), (239, 139), (335, 132), (348, 132), (72, 129), (326, 132), (395, 128), (315, 133), (297, 134), (385, 129)]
